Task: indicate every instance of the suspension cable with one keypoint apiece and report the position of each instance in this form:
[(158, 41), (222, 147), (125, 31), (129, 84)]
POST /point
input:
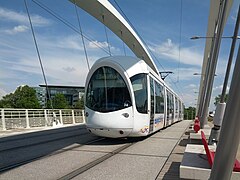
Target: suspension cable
[(68, 24), (124, 50), (147, 45), (127, 19), (105, 29), (180, 40), (38, 53), (80, 28)]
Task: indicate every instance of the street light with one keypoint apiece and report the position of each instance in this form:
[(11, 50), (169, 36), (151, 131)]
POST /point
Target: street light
[(199, 74), (201, 37), (196, 74)]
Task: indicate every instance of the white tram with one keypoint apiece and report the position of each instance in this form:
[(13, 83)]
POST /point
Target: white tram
[(124, 97)]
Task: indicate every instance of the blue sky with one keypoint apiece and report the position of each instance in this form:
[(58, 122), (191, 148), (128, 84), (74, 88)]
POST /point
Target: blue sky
[(62, 53)]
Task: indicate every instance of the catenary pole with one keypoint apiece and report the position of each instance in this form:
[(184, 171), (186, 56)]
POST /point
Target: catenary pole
[(217, 120), (235, 36), (213, 60), (230, 134)]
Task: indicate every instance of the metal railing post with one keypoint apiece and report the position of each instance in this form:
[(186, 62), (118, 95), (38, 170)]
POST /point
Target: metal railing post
[(27, 119), (3, 120), (45, 116), (60, 116), (83, 116), (73, 117)]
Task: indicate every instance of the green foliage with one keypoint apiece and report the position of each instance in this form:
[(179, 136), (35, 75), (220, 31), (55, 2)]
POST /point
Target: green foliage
[(189, 113), (7, 101), (218, 98), (79, 104), (23, 97), (58, 102)]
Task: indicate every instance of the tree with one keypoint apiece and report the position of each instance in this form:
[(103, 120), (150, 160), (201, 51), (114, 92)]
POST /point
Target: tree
[(189, 113), (58, 102), (79, 104), (7, 101), (218, 98), (23, 97)]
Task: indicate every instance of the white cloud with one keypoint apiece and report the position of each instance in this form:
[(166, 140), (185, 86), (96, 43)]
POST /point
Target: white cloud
[(2, 93), (69, 42), (69, 69), (63, 60), (189, 99), (17, 29), (10, 15), (97, 44), (219, 88), (170, 50)]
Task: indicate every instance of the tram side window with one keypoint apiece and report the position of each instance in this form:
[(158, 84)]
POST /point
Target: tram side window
[(176, 105), (180, 108), (139, 84), (159, 96), (171, 103), (168, 104)]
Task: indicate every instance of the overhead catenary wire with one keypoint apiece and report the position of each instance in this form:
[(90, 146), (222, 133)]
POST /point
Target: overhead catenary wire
[(180, 39), (68, 24), (80, 28), (136, 31), (38, 53), (41, 5), (181, 94)]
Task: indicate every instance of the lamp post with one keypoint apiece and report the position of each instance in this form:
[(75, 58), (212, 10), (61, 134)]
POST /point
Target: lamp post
[(207, 80), (220, 109), (204, 98), (199, 74), (204, 95)]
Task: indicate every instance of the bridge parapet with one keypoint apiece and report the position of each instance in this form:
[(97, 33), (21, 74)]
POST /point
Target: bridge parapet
[(30, 118)]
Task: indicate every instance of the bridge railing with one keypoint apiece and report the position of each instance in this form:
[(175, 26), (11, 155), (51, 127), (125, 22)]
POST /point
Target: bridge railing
[(30, 118)]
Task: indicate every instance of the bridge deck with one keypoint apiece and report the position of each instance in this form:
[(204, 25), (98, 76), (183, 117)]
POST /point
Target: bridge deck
[(156, 157)]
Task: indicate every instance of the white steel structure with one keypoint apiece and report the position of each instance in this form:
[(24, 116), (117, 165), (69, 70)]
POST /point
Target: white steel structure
[(125, 97), (104, 12)]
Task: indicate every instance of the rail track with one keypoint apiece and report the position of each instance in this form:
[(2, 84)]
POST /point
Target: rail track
[(85, 156), (12, 149)]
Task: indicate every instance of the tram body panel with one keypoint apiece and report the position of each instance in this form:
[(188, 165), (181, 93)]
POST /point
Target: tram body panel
[(115, 124), (108, 100), (141, 125)]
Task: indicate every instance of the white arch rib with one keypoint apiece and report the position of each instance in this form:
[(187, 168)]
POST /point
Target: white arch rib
[(102, 9)]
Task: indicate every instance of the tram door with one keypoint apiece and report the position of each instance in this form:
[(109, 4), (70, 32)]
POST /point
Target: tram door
[(151, 125)]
